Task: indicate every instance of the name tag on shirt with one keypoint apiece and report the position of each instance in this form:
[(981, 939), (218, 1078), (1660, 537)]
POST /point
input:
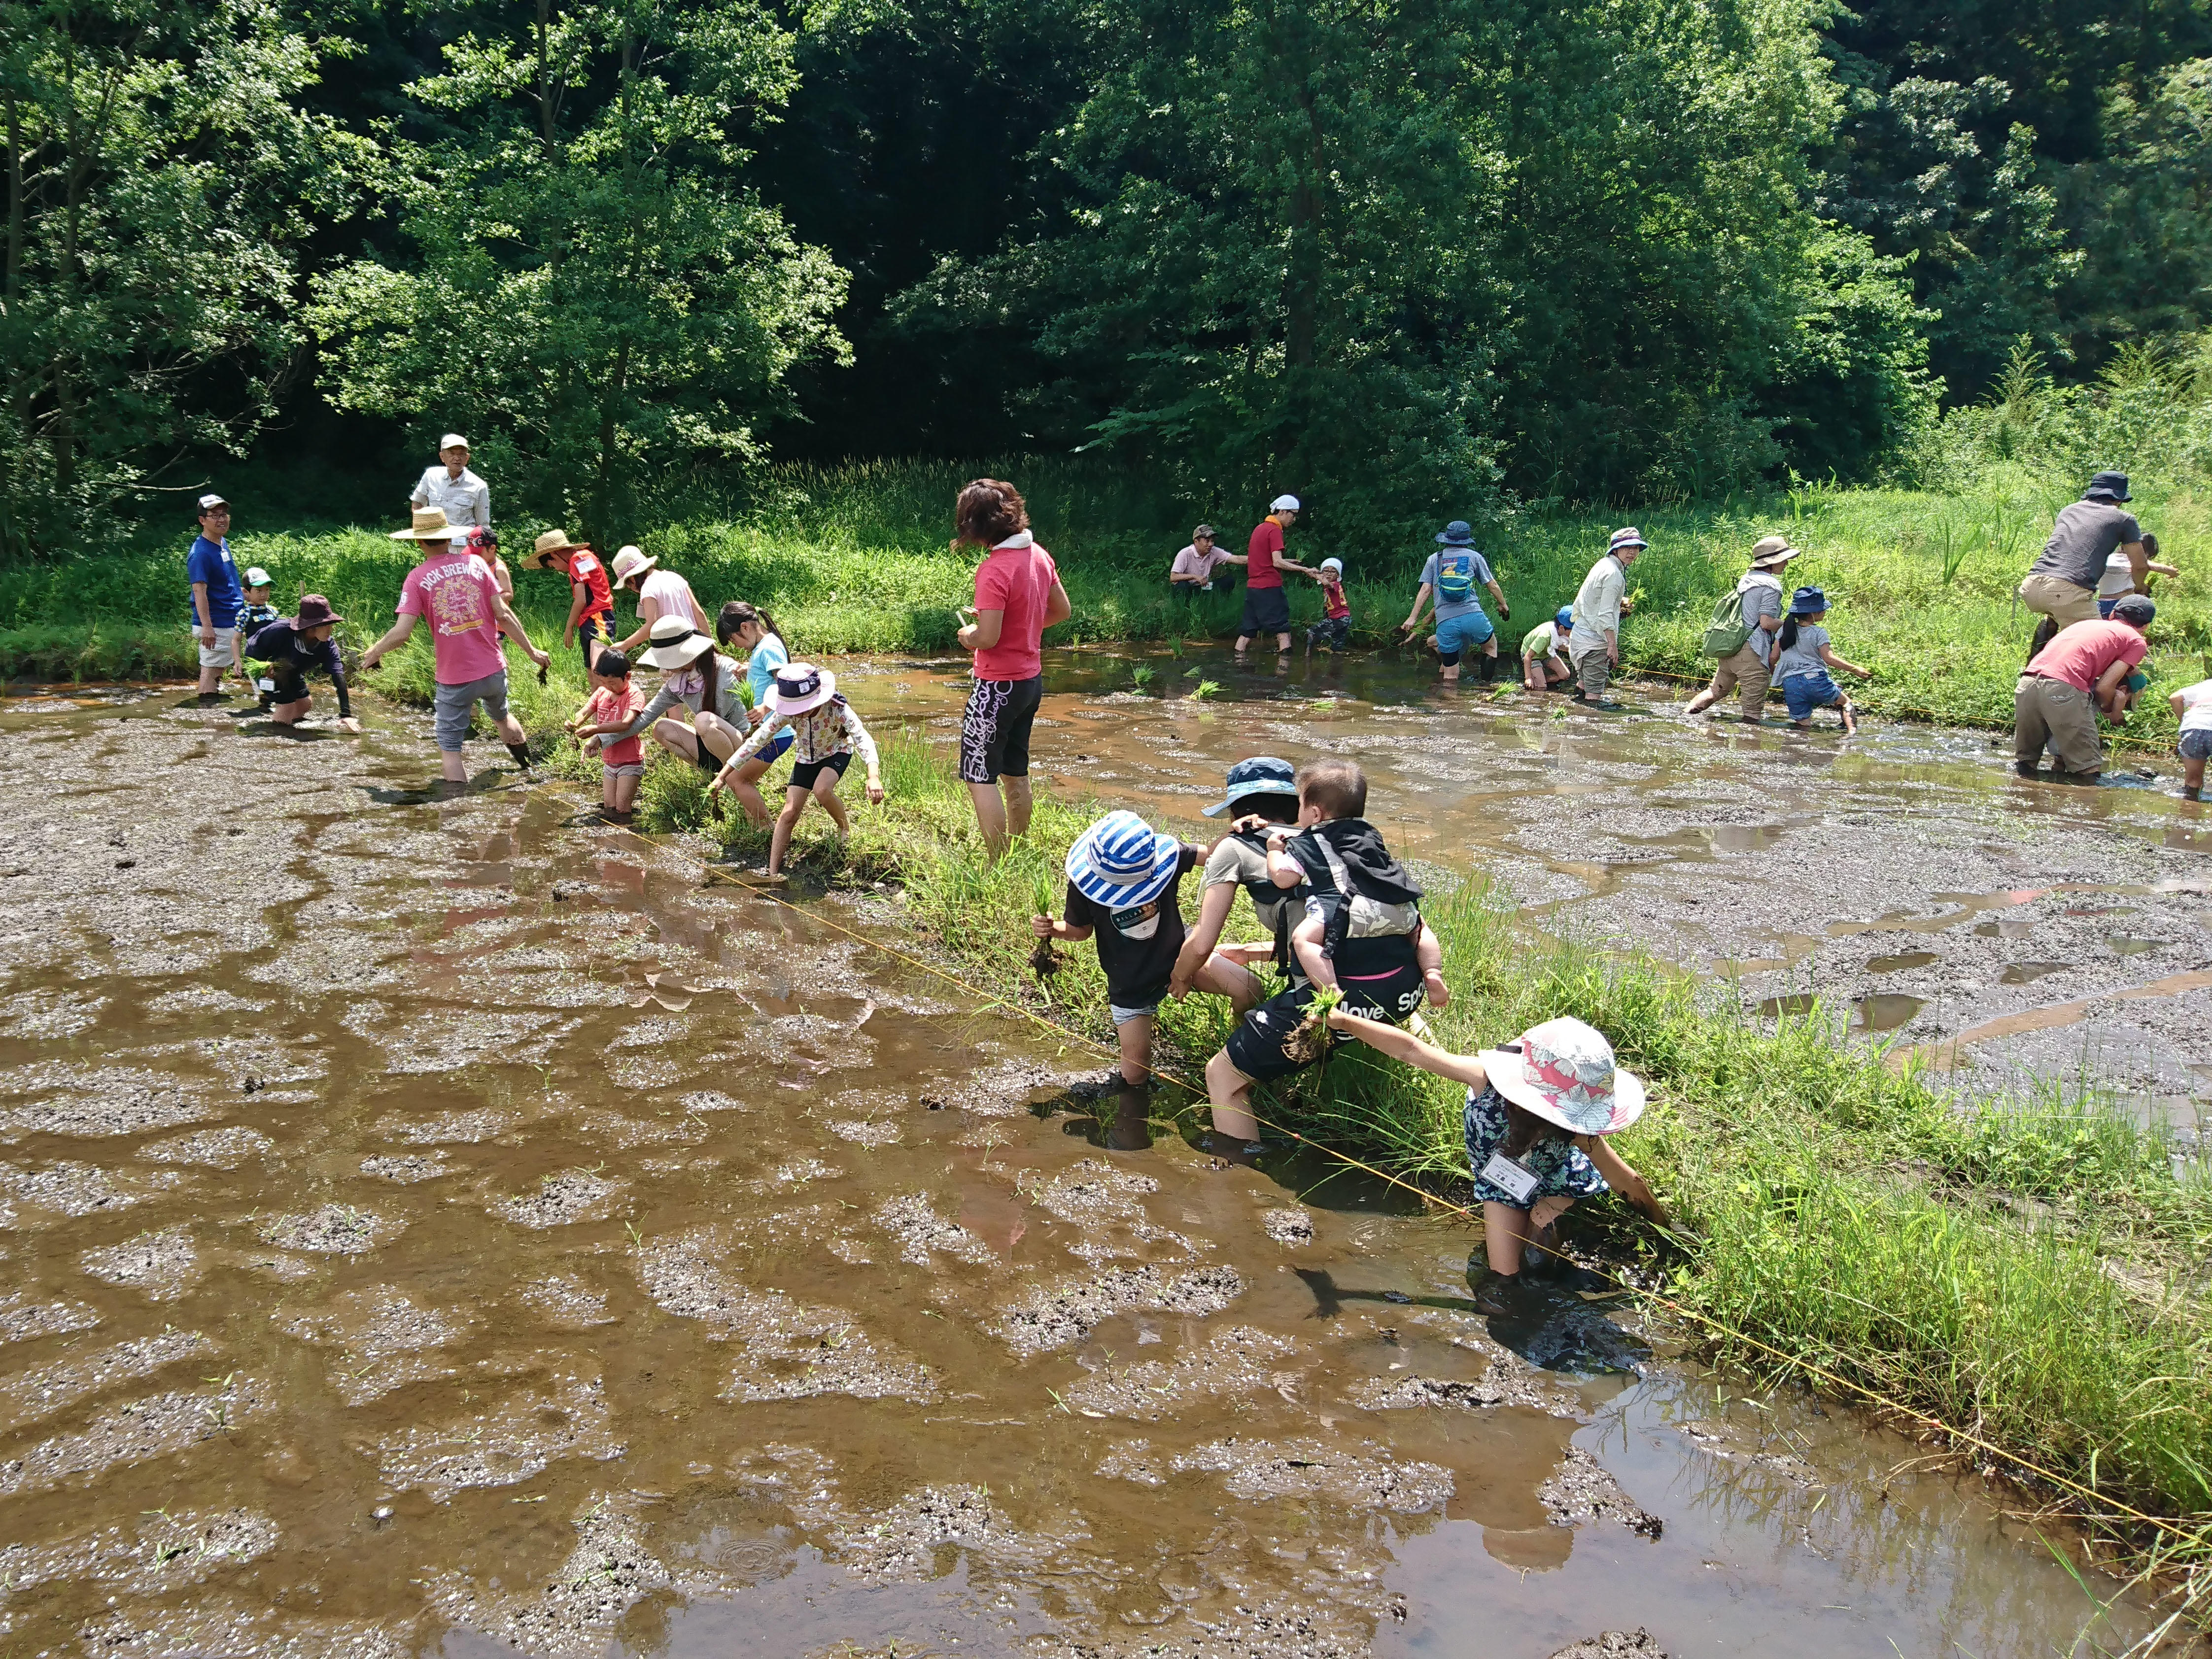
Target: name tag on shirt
[(1139, 921), (1510, 1176)]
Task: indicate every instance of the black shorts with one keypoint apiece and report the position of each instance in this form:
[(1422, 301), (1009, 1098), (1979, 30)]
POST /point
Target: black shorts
[(1334, 632), (291, 685), (593, 635), (994, 738), (803, 773), (1381, 979), (1266, 610)]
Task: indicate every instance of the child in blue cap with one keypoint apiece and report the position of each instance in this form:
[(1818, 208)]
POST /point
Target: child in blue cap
[(1804, 658), (1544, 652)]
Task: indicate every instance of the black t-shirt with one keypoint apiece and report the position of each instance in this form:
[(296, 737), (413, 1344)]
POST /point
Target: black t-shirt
[(2086, 534), (1137, 946)]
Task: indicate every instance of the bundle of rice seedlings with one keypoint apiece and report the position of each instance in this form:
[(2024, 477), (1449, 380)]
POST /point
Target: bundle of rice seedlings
[(1044, 962), (1311, 1042)]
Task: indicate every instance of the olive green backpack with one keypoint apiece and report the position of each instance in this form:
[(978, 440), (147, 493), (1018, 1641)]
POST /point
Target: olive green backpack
[(1727, 634)]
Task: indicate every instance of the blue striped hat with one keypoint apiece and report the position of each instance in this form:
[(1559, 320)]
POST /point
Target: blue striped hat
[(1121, 860)]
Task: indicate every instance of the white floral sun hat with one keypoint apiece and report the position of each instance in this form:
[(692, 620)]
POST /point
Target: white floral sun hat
[(1563, 1071)]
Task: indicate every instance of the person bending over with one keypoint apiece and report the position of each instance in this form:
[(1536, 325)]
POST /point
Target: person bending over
[(296, 648)]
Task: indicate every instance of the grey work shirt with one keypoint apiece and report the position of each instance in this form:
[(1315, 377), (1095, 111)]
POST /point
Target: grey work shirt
[(1477, 569), (2086, 534), (465, 501), (1761, 598), (1804, 656)]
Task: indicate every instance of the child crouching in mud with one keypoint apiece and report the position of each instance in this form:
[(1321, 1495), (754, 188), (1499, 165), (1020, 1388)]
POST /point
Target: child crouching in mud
[(1123, 886), (1357, 890), (1538, 1111), (825, 731)]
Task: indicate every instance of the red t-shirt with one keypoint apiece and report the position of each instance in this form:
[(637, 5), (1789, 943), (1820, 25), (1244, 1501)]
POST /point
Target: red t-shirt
[(1017, 579), (1266, 542), (1333, 605), (586, 571), (2082, 651)]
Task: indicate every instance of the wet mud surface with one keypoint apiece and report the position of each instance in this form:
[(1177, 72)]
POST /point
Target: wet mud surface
[(449, 1228), (1904, 878)]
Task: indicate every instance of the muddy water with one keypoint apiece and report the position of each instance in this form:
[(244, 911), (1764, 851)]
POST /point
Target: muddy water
[(448, 1227), (1908, 863)]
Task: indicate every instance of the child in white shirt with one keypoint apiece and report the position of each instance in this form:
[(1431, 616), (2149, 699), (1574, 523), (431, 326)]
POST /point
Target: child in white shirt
[(2193, 705)]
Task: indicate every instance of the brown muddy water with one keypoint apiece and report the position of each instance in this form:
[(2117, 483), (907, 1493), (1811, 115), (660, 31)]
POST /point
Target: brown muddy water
[(447, 1227), (1907, 864)]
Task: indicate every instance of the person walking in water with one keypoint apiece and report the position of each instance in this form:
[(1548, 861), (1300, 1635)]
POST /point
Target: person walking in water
[(1593, 647), (2061, 586), (1017, 596), (1451, 575), (462, 497), (1266, 608), (455, 592), (1748, 670)]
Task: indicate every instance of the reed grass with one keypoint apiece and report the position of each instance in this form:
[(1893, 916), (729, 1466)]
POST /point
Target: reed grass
[(2026, 1270)]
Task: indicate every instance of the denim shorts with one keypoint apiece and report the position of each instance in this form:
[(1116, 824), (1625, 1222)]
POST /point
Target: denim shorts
[(2197, 744), (456, 703), (1806, 692), (1470, 632)]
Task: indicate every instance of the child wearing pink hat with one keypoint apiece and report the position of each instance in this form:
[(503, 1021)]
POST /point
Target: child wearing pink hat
[(1538, 1111)]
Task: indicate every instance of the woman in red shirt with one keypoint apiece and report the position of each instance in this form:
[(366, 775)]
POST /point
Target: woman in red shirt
[(1017, 597)]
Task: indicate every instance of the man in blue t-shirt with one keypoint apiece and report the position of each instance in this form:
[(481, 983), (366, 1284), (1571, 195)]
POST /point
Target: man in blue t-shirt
[(216, 596)]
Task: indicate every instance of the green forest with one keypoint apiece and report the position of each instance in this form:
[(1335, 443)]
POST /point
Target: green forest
[(1411, 258)]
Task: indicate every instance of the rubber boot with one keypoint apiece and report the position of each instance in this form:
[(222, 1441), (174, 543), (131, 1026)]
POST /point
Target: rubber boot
[(521, 753)]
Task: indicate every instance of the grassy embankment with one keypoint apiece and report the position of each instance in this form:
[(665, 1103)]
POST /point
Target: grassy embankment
[(2029, 1270), (855, 559)]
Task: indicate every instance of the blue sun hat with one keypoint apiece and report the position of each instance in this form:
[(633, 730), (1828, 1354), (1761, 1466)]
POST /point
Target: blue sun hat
[(1566, 616), (1259, 775), (1806, 601), (1458, 533), (1122, 860)]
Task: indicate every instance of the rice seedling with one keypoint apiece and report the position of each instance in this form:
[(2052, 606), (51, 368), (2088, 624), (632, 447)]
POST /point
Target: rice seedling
[(1204, 689)]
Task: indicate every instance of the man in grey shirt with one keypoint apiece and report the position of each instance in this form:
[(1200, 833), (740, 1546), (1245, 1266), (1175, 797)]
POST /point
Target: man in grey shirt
[(2061, 586), (1749, 670), (465, 498)]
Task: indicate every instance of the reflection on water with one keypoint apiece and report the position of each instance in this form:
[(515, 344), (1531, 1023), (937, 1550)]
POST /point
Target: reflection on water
[(462, 1230), (1888, 1012), (1901, 963)]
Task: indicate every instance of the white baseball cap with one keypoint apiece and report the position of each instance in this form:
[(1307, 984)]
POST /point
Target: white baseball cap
[(256, 576), (452, 440), (1284, 504), (207, 501)]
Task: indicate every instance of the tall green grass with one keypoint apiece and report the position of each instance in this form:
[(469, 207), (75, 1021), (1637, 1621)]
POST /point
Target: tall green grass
[(857, 558), (2028, 1270)]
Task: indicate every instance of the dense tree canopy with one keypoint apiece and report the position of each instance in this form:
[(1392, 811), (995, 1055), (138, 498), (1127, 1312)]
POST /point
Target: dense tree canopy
[(1402, 253)]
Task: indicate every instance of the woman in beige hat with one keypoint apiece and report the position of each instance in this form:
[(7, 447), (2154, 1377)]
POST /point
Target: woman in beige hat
[(1748, 670), (1538, 1111), (696, 677)]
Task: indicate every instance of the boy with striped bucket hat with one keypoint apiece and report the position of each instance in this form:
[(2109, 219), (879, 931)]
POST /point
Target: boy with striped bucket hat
[(1123, 888), (1538, 1112)]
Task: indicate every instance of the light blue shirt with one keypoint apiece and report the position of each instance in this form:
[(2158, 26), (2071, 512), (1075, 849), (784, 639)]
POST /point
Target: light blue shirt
[(760, 668)]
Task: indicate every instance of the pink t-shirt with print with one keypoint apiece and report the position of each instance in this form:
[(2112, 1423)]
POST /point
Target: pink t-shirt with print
[(457, 594)]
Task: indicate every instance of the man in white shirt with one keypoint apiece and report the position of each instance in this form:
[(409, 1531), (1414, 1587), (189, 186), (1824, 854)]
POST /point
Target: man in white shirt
[(1595, 645), (450, 486)]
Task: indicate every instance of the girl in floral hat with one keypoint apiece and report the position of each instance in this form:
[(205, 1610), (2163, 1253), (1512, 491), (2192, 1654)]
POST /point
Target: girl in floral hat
[(1538, 1111)]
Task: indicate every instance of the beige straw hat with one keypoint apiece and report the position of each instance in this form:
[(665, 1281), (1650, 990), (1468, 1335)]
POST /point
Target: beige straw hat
[(429, 526)]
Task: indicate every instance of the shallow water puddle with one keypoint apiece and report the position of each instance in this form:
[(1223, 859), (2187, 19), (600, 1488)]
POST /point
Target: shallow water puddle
[(594, 1262), (1904, 961), (1886, 1013)]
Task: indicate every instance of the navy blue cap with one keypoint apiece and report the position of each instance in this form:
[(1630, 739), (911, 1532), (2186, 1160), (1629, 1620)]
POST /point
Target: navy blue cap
[(2136, 609), (2113, 486), (1261, 775), (1807, 600), (1458, 533)]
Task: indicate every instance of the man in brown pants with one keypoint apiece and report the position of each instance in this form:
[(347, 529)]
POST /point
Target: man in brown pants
[(1750, 670), (2061, 586), (2081, 671)]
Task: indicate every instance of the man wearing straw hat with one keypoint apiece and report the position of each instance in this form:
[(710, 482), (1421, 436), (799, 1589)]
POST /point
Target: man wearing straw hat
[(455, 590), (462, 497), (1748, 670)]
